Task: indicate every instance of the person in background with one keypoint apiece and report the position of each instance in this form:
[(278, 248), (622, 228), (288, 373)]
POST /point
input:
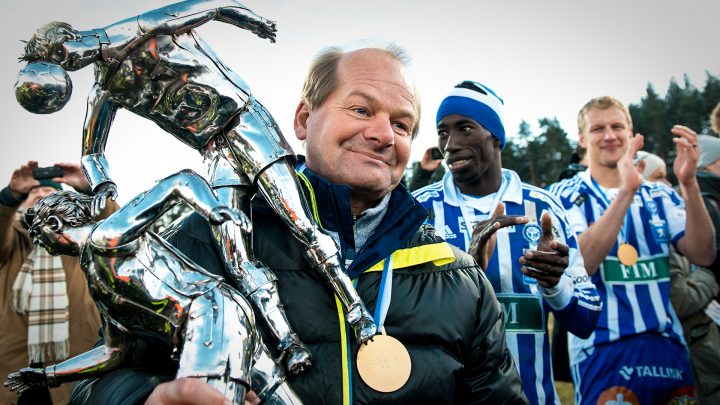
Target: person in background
[(708, 177), (692, 290), (536, 267), (654, 168), (47, 312), (715, 119), (578, 163), (427, 170), (625, 227)]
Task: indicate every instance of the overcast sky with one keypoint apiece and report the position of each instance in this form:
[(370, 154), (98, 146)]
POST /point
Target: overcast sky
[(544, 58)]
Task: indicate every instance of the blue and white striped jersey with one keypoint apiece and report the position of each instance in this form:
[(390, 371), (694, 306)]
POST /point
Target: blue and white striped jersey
[(574, 301), (636, 298)]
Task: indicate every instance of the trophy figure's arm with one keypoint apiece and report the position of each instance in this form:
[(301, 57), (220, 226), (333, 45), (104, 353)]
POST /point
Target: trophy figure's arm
[(181, 17), (90, 364), (98, 119), (135, 217)]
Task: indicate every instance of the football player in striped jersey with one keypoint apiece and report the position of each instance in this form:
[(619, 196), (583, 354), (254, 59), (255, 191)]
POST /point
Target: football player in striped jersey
[(625, 226), (536, 267)]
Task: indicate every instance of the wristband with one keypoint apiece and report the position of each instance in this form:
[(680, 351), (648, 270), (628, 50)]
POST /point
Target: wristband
[(8, 199)]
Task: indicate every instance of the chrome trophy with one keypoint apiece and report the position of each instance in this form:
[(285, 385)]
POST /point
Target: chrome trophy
[(143, 286), (156, 66)]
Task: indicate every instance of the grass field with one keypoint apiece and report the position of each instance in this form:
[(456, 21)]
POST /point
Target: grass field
[(565, 390)]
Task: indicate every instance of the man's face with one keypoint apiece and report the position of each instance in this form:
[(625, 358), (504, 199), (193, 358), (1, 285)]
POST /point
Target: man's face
[(659, 176), (35, 195), (468, 147), (606, 136), (361, 134)]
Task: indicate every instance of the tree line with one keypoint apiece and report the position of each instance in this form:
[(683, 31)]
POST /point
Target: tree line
[(540, 157)]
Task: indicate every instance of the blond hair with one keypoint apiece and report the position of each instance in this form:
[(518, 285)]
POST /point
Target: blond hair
[(602, 103), (715, 119)]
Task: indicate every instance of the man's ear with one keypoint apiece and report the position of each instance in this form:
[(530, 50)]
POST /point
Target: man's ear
[(302, 113), (581, 140)]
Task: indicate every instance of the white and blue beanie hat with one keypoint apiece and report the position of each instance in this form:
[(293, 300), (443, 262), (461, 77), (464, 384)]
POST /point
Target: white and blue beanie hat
[(478, 102)]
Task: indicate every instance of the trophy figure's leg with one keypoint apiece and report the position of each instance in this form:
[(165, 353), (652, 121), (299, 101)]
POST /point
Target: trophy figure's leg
[(219, 341), (268, 379), (256, 281), (280, 186)]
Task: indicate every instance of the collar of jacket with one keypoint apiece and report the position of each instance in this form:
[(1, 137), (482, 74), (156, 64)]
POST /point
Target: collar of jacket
[(403, 218)]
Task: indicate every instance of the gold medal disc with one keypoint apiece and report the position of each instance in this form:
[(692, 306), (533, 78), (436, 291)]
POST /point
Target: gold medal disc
[(384, 364), (627, 254)]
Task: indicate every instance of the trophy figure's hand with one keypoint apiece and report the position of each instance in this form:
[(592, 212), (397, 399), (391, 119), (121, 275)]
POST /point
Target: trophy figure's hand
[(266, 29), (294, 354), (25, 379), (362, 323), (103, 192), (222, 214)]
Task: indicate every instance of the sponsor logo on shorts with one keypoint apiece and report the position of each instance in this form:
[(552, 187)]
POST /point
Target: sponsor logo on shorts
[(618, 395), (683, 396), (651, 371)]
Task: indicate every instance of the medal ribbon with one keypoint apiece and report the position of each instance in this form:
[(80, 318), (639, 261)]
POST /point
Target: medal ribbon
[(384, 294), (597, 191)]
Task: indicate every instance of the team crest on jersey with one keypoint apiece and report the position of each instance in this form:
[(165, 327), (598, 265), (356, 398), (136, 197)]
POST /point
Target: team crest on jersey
[(532, 233), (652, 207)]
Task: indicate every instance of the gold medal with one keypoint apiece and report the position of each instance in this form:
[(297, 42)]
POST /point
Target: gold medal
[(627, 254), (384, 363)]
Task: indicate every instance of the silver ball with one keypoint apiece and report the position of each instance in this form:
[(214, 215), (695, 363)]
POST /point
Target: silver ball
[(42, 87)]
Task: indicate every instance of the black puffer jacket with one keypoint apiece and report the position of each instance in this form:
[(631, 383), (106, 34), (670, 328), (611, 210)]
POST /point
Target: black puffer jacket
[(446, 316)]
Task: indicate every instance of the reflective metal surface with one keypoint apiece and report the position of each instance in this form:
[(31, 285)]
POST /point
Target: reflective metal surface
[(143, 287), (42, 88), (156, 66)]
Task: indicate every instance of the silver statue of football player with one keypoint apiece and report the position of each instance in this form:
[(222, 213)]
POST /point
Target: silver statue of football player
[(156, 66), (143, 286)]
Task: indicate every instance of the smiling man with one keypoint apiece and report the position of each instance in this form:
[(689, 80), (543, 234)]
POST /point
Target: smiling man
[(358, 116), (625, 228), (536, 267)]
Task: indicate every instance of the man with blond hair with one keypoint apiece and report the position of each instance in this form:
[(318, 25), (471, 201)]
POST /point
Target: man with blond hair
[(625, 228)]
